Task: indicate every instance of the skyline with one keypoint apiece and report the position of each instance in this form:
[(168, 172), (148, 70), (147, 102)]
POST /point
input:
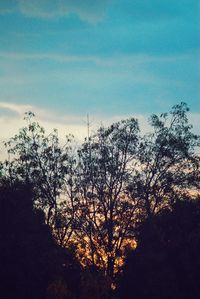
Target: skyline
[(110, 59)]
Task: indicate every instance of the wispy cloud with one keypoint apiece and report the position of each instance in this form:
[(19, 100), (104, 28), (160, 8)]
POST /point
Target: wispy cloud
[(88, 10), (91, 11), (123, 59), (16, 108), (66, 124), (94, 10)]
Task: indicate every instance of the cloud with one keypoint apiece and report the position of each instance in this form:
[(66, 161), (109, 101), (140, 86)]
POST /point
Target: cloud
[(88, 10), (74, 124), (16, 108), (66, 124), (94, 10), (91, 11), (11, 122), (61, 58), (126, 60)]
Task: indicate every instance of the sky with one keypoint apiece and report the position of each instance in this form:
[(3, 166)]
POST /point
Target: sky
[(111, 59)]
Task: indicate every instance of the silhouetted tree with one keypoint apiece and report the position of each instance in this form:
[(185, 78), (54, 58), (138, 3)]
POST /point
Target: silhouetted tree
[(105, 215), (38, 158), (166, 262), (168, 163)]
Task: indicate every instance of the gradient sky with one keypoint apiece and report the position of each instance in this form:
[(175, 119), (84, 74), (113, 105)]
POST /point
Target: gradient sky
[(109, 58)]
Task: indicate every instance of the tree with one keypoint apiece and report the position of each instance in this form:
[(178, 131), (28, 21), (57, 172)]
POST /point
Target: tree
[(104, 220), (39, 159), (168, 163), (166, 262)]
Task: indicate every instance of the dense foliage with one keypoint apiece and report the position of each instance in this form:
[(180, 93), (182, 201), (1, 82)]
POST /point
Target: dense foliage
[(31, 261), (166, 263)]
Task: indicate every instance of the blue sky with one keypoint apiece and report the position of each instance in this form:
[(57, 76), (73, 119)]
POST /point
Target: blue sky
[(109, 58)]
